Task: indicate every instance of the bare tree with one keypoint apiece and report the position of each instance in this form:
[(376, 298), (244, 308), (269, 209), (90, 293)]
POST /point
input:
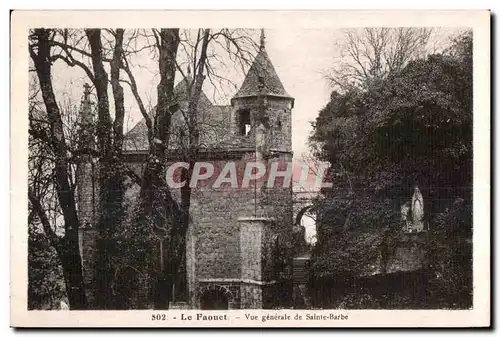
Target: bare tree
[(110, 141), (76, 49), (99, 52), (67, 246), (158, 205), (368, 54)]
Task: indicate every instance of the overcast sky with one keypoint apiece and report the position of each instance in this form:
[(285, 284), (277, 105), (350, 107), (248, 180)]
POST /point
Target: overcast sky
[(300, 57)]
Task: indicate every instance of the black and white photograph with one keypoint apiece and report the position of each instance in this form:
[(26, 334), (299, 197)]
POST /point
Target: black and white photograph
[(267, 168)]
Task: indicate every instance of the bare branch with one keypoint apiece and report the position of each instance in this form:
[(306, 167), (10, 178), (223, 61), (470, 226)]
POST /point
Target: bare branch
[(371, 53), (135, 92), (54, 240), (70, 61)]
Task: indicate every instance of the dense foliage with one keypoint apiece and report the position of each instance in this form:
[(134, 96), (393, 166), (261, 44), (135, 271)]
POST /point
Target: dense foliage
[(414, 127), (45, 280)]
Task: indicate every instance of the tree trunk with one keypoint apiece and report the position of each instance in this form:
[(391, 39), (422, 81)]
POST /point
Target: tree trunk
[(70, 256), (156, 201), (176, 241), (155, 195), (101, 86), (111, 185), (155, 166), (73, 273), (118, 93)]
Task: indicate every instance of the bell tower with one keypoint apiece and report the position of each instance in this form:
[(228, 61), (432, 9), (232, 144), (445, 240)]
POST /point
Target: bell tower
[(236, 255), (262, 108), (262, 115)]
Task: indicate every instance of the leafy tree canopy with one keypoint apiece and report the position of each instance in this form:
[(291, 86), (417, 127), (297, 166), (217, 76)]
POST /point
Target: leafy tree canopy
[(412, 127)]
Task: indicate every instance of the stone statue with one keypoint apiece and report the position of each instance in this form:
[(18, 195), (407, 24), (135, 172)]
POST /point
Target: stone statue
[(417, 210)]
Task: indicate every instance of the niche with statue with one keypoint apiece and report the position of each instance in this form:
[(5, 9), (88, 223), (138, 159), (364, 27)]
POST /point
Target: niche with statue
[(412, 214)]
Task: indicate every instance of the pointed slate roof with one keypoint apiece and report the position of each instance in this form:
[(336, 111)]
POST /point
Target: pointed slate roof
[(262, 73), (181, 91), (137, 138)]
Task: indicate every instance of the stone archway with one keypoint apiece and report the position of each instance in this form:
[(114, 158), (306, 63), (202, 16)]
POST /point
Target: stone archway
[(300, 214), (215, 297), (305, 222)]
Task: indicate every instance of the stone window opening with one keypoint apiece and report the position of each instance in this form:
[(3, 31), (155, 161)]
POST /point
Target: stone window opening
[(244, 124)]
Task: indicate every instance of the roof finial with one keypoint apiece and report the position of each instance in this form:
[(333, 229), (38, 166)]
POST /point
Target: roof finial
[(262, 39)]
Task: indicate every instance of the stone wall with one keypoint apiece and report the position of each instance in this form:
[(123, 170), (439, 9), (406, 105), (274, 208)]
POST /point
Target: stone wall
[(214, 242), (215, 225), (279, 113), (251, 296), (280, 116), (251, 236)]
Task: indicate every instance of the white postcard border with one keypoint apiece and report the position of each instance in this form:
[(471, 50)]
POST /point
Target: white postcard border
[(478, 20)]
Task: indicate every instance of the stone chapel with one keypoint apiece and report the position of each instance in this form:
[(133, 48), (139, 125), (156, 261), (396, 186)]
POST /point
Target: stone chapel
[(232, 259)]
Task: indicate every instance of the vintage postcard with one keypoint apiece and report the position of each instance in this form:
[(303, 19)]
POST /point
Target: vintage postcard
[(250, 169)]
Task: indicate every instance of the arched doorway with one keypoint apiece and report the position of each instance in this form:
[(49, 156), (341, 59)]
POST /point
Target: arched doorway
[(214, 298), (306, 218)]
